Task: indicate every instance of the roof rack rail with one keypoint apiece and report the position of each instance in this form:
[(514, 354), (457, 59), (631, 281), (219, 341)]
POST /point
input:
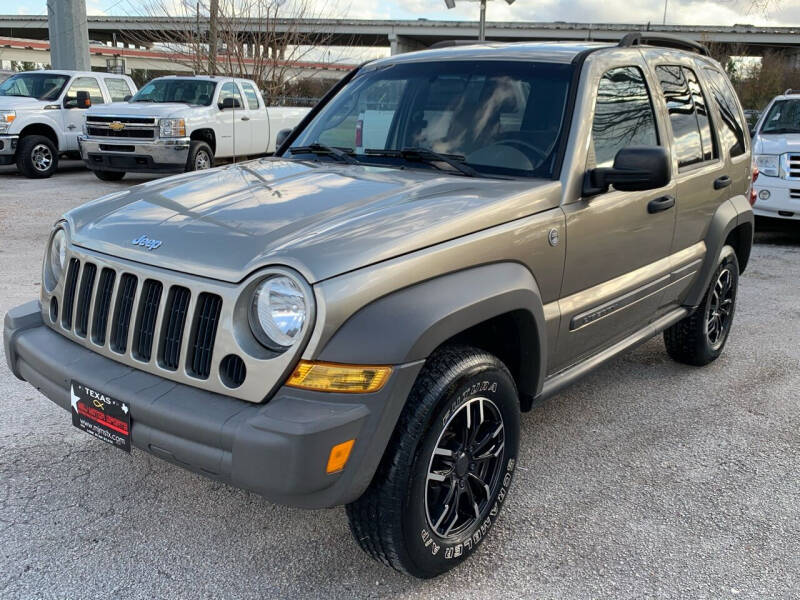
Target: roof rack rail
[(791, 92), (666, 40), (453, 43)]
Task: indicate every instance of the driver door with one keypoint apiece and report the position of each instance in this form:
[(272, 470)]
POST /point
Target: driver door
[(73, 116), (617, 246)]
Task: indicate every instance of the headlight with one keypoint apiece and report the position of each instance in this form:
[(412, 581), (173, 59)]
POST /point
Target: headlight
[(56, 259), (6, 118), (171, 128), (278, 312), (768, 164)]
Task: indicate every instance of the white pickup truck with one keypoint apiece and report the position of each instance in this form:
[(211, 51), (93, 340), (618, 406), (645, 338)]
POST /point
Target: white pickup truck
[(182, 123), (41, 114)]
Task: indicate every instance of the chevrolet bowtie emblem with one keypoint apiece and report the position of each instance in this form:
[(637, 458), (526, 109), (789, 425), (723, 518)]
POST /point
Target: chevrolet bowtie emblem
[(116, 126)]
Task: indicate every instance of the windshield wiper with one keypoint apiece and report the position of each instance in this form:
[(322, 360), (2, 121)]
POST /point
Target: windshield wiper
[(340, 154), (456, 161)]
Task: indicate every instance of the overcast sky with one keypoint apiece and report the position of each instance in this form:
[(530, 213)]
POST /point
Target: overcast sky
[(694, 12)]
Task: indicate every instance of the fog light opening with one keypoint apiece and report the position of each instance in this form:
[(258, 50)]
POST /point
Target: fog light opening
[(764, 195)]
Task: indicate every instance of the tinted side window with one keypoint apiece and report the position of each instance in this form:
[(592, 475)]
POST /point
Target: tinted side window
[(251, 95), (86, 84), (732, 131), (701, 112), (685, 131), (229, 90), (623, 114), (118, 89)]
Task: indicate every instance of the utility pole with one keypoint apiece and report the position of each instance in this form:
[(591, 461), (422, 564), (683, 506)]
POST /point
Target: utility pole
[(482, 30), (69, 35), (664, 21), (212, 37)]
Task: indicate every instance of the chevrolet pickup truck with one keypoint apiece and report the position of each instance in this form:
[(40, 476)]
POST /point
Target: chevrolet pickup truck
[(179, 123)]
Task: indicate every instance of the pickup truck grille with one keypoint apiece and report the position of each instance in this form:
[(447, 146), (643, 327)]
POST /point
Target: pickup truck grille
[(793, 172), (132, 127), (136, 321)]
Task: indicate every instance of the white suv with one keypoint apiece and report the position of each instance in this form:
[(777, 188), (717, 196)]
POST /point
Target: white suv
[(776, 153), (182, 123), (41, 114)]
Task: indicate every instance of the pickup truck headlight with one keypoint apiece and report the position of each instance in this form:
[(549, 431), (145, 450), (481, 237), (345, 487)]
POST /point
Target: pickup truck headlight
[(171, 128), (55, 259), (768, 164), (278, 311), (6, 118)]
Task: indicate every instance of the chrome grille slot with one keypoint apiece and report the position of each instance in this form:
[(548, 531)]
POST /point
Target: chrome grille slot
[(794, 166), (69, 293), (122, 313), (146, 319), (102, 307), (204, 331), (174, 323), (85, 299), (794, 194)]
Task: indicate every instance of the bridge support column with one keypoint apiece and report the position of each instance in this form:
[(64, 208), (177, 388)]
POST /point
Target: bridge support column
[(401, 44), (69, 34)]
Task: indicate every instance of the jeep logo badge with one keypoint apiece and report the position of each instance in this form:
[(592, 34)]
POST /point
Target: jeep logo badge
[(146, 242), (116, 126)]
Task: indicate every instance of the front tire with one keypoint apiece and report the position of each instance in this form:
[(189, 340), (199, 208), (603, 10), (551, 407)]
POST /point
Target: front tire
[(37, 157), (700, 338), (110, 175), (447, 469), (200, 156)]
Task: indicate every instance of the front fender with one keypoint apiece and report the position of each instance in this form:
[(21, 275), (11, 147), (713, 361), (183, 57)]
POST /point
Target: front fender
[(730, 215), (41, 118), (409, 324)]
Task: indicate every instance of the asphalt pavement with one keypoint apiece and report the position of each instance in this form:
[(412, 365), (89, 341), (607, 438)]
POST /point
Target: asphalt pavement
[(646, 479)]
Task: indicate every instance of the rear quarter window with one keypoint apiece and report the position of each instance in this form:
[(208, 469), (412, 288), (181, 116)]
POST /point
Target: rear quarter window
[(732, 131)]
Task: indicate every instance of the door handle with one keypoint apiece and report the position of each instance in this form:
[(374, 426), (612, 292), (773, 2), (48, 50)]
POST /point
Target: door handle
[(660, 204), (722, 182), (245, 118)]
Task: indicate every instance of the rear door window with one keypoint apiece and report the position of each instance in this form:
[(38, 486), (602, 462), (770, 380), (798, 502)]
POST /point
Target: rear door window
[(623, 115), (732, 130), (229, 90), (688, 115), (85, 84), (118, 89)]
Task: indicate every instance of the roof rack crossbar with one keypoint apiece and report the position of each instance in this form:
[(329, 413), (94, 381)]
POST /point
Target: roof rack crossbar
[(666, 40)]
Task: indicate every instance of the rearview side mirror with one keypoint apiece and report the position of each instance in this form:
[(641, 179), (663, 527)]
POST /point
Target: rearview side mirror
[(84, 100), (126, 98), (282, 136), (229, 103), (636, 168)]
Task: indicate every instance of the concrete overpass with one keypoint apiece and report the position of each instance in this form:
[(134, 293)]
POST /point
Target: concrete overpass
[(403, 36)]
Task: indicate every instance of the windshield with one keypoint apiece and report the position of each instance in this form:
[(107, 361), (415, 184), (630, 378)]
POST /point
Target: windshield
[(42, 86), (498, 117), (191, 91), (783, 117)]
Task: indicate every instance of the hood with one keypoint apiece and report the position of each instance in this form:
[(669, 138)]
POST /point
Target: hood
[(142, 109), (21, 103), (320, 218), (776, 143)]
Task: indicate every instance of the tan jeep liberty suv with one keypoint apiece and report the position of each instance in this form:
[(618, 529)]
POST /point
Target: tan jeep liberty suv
[(448, 237)]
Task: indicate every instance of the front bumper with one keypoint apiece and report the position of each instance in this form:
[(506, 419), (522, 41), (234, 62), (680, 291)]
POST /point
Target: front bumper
[(135, 156), (278, 449), (783, 201), (8, 148)]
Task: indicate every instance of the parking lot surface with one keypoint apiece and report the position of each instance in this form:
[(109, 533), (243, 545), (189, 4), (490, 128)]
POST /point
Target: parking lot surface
[(646, 479)]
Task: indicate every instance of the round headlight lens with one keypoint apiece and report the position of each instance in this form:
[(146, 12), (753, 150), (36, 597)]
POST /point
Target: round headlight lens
[(278, 312), (57, 256)]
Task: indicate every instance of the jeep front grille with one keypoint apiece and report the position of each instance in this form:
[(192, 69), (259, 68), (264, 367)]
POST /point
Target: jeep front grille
[(136, 317)]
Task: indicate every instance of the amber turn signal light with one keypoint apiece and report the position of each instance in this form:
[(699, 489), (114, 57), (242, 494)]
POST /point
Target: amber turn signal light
[(339, 455), (330, 377)]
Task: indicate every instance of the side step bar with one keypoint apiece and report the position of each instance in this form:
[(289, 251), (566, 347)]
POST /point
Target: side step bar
[(558, 381)]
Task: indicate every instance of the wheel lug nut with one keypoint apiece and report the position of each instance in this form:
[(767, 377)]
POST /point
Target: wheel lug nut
[(471, 466)]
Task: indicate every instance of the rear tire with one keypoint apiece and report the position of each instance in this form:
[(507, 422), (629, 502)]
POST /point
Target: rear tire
[(200, 156), (700, 338), (37, 157), (446, 471), (110, 175)]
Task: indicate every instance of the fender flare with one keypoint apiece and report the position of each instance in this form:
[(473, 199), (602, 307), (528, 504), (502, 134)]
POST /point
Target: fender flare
[(409, 324), (729, 215)]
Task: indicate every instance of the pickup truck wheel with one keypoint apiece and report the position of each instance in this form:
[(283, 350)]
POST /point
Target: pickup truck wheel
[(699, 338), (447, 469), (37, 157), (110, 175), (200, 156)]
